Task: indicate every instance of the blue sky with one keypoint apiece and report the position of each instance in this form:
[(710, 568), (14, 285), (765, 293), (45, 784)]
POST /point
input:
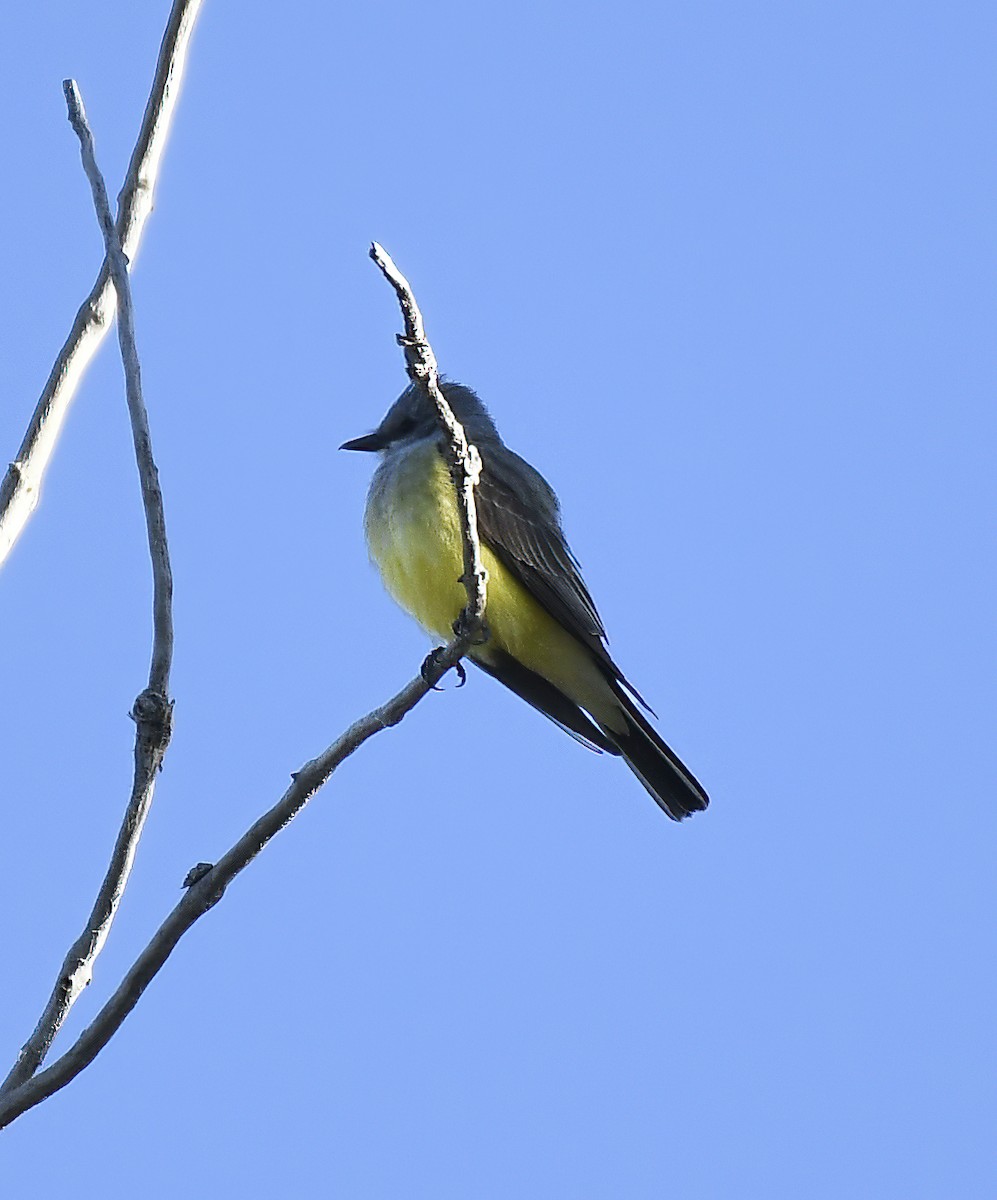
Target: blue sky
[(724, 273)]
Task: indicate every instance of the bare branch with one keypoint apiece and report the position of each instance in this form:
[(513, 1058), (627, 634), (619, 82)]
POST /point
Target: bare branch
[(21, 485), (205, 883), (153, 710), (465, 461)]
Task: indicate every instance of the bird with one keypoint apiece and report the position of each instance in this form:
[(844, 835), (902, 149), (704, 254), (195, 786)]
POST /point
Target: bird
[(544, 637)]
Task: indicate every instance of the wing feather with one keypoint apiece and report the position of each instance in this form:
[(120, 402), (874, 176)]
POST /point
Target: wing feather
[(520, 520)]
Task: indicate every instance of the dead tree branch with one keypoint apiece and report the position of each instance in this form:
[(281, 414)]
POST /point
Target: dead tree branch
[(153, 710), (464, 459)]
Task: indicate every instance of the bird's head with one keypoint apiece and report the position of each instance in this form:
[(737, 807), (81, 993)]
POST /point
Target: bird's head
[(412, 417)]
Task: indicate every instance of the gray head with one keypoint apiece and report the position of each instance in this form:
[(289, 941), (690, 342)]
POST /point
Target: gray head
[(412, 417)]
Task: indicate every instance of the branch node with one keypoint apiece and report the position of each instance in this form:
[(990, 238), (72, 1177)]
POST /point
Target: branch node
[(197, 873), (152, 712)]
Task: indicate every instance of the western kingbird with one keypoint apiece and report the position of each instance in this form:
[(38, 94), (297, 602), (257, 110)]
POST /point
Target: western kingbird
[(545, 640)]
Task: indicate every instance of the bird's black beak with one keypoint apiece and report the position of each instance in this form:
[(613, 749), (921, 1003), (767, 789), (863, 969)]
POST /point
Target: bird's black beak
[(369, 441)]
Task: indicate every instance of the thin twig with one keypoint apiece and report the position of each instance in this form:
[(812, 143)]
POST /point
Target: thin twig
[(21, 485), (464, 459), (152, 496), (152, 711)]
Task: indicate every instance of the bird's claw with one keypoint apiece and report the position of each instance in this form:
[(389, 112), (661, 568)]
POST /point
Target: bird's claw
[(461, 625)]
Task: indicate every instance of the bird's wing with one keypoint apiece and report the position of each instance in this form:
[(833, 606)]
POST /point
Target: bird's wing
[(519, 519)]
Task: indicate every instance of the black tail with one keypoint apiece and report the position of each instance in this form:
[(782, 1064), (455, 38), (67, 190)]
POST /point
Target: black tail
[(659, 769), (674, 788)]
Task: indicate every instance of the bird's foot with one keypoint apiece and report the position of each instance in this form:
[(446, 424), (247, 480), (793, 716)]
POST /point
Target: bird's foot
[(462, 625)]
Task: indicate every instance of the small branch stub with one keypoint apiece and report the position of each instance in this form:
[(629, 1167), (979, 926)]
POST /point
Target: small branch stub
[(196, 874)]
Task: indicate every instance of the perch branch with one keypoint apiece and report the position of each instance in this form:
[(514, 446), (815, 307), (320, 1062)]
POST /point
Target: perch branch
[(21, 485), (206, 883)]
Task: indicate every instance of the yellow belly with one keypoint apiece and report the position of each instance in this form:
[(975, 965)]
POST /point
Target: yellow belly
[(413, 535)]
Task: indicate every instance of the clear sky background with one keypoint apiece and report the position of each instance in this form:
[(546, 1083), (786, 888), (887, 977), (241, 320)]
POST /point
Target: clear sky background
[(725, 274)]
